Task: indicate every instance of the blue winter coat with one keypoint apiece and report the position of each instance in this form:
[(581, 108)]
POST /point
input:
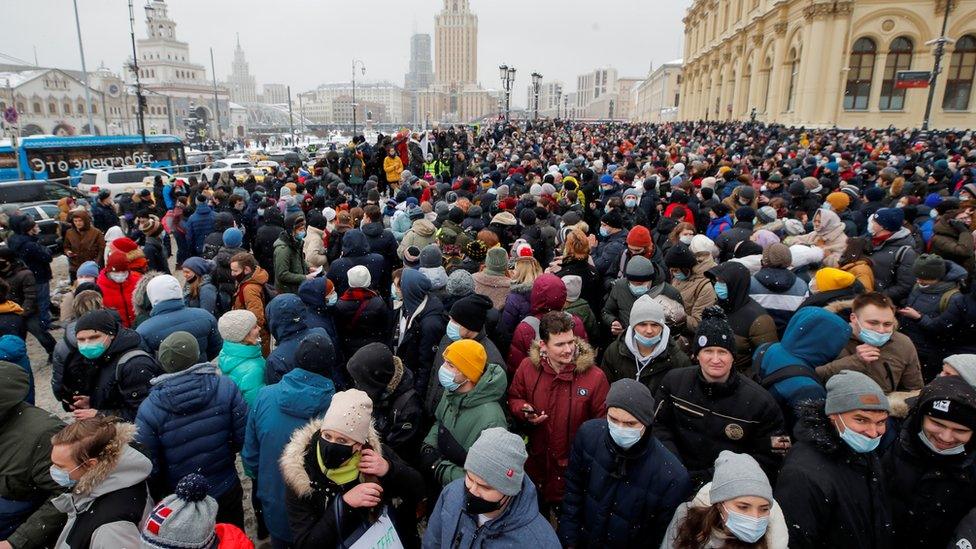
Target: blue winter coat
[(278, 411), (616, 497), (608, 252), (355, 251), (14, 349), (718, 226), (198, 226), (285, 316), (172, 315), (318, 314), (519, 526), (780, 292), (193, 422)]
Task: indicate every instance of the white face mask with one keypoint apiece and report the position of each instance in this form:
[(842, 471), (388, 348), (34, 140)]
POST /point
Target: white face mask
[(119, 277)]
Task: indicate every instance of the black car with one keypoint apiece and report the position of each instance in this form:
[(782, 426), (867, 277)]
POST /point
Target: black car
[(39, 199)]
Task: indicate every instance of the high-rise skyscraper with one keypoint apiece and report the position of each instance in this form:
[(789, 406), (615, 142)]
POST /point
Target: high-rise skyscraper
[(456, 44), (421, 73), (241, 83)]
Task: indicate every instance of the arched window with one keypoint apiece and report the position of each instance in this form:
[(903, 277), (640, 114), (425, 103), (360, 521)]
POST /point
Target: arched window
[(899, 59), (766, 75), (52, 108), (861, 67), (67, 108), (36, 108), (794, 67), (81, 108), (959, 77)]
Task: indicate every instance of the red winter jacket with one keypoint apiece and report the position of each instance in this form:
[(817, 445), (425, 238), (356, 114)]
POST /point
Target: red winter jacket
[(548, 294), (231, 537), (569, 398), (119, 296)]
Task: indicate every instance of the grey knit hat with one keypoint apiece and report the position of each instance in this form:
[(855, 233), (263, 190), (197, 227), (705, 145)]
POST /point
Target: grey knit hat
[(766, 214), (498, 457), (178, 352), (738, 475), (184, 520), (646, 309), (634, 398), (639, 269), (431, 257), (235, 325), (496, 262), (574, 287), (359, 277), (460, 283), (929, 267), (850, 390), (965, 365)]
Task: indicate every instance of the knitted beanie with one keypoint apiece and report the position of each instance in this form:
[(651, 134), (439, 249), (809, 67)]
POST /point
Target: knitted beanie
[(373, 369), (965, 365), (777, 255), (233, 237), (680, 256), (850, 390), (745, 214), (350, 414), (646, 309), (498, 457), (184, 520), (460, 283), (829, 279), (714, 331), (178, 352), (476, 250), (235, 325), (431, 257), (766, 214), (198, 265), (316, 354), (88, 269), (639, 237), (163, 288), (839, 201), (632, 397), (890, 219), (496, 262), (471, 311), (574, 287), (639, 269), (929, 267), (117, 263), (738, 475), (359, 277), (469, 357)]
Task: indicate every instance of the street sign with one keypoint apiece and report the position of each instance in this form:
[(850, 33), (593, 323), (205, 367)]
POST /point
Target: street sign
[(10, 115), (912, 79)]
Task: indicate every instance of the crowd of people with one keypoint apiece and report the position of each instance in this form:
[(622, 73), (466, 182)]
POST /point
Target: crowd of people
[(548, 334)]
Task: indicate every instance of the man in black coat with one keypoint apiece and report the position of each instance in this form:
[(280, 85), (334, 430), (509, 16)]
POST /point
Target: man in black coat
[(267, 234), (740, 232), (832, 486), (381, 241)]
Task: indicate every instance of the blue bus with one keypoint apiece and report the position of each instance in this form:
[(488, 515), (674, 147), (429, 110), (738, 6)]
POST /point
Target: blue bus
[(64, 158)]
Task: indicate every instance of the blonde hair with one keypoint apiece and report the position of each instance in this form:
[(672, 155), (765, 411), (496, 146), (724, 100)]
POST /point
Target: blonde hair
[(526, 270), (85, 302)]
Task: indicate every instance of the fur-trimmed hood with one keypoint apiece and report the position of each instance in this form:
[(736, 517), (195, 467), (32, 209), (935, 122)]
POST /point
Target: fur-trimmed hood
[(585, 356), (140, 301), (293, 458)]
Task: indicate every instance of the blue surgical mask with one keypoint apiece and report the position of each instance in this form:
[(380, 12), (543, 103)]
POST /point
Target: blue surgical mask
[(446, 379), (453, 330), (393, 292), (300, 235), (861, 444), (746, 528), (62, 477), (954, 451), (721, 290), (871, 337), (647, 341), (680, 276), (638, 290), (686, 239), (625, 437), (630, 203), (604, 231), (92, 351), (332, 298), (933, 213)]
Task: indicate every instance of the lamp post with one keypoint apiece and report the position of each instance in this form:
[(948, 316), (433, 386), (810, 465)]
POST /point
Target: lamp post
[(536, 85), (940, 44), (559, 98), (363, 65), (507, 75), (140, 99), (84, 71)]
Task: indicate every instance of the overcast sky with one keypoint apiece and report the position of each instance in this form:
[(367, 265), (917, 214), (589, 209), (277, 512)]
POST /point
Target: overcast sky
[(304, 43)]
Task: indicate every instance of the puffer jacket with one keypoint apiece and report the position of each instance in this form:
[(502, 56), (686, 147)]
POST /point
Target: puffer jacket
[(362, 318), (780, 292), (314, 247), (953, 243), (277, 412), (29, 250), (459, 420), (286, 323), (118, 389), (318, 312), (434, 388), (697, 294), (750, 323), (244, 365), (892, 277), (830, 495), (119, 296), (400, 225), (548, 294), (931, 302), (193, 422), (382, 242), (517, 306), (172, 315), (355, 251), (607, 255), (250, 295), (88, 244), (618, 497), (421, 233), (619, 360), (289, 264), (569, 397), (199, 226), (421, 323), (621, 300)]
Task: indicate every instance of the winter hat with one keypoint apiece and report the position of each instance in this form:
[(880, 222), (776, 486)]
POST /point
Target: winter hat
[(469, 357), (571, 218), (117, 263), (105, 321), (498, 457), (476, 250), (929, 267), (374, 369), (777, 255), (88, 269), (766, 214), (958, 410), (829, 279), (839, 201), (471, 311), (411, 256), (359, 277), (233, 237), (235, 325), (714, 331), (965, 365), (764, 238), (680, 256), (460, 283), (874, 194), (504, 218), (163, 288), (613, 220), (520, 249), (738, 475), (745, 214), (708, 183), (701, 244), (496, 262), (527, 217), (316, 354), (150, 226), (431, 257), (125, 244), (646, 309), (793, 227), (639, 269), (890, 219), (178, 351), (183, 520), (350, 414), (198, 265), (639, 237), (632, 397), (850, 390), (574, 287)]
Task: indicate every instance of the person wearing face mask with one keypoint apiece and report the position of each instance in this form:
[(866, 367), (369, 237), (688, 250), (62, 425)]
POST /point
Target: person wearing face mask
[(240, 356), (876, 348), (340, 479), (290, 268), (622, 484), (752, 325), (117, 284), (832, 485), (735, 509), (471, 403), (927, 469), (29, 519), (251, 292), (687, 276), (361, 314), (612, 244), (892, 253), (641, 277), (494, 504), (645, 351)]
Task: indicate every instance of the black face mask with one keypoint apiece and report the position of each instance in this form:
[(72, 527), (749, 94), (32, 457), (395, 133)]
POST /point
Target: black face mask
[(333, 454), (473, 505)]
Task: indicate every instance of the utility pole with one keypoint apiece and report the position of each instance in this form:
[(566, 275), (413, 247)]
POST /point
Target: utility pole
[(291, 119), (140, 99), (301, 113), (84, 71), (940, 43), (213, 71), (363, 65), (536, 84)]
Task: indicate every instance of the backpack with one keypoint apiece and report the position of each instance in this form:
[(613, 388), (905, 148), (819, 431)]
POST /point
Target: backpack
[(946, 298), (126, 357), (784, 373)]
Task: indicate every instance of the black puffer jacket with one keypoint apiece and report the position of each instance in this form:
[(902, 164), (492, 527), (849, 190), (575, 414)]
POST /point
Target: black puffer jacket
[(892, 265), (115, 389), (265, 239), (930, 493), (750, 323), (831, 496)]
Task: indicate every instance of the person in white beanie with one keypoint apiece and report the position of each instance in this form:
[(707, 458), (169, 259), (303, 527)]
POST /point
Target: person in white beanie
[(361, 316), (170, 314), (240, 357), (960, 365)]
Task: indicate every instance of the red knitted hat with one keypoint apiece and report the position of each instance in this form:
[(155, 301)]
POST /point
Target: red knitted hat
[(117, 262), (639, 237), (124, 244)]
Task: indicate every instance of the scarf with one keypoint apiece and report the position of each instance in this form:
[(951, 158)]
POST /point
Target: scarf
[(345, 473), (358, 294)]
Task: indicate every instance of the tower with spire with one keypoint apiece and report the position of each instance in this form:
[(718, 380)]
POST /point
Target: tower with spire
[(241, 82), (456, 45)]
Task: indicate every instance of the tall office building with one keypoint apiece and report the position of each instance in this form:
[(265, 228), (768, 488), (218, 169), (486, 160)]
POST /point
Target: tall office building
[(421, 74), (241, 82), (456, 46)]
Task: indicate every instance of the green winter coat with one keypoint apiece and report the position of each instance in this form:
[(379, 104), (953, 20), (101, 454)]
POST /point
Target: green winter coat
[(618, 363), (289, 265), (581, 308), (244, 365), (25, 460), (466, 415)]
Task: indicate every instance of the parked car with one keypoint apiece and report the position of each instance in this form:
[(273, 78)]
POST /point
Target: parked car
[(118, 181), (39, 199), (232, 165)]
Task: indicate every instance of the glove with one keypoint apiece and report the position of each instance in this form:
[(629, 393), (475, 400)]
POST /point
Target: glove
[(430, 457)]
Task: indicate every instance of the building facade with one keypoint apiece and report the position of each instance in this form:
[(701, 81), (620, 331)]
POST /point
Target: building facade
[(824, 63), (659, 95), (332, 103), (456, 36), (421, 73), (275, 94), (241, 83)]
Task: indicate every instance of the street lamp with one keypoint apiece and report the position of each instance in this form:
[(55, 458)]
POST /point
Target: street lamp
[(140, 100), (940, 44), (507, 75), (559, 98), (363, 65), (536, 84)]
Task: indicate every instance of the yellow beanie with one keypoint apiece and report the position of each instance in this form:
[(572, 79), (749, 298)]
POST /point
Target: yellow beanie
[(839, 201), (829, 279), (468, 356)]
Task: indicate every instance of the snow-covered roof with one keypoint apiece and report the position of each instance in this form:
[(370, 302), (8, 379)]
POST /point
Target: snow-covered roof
[(14, 79)]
